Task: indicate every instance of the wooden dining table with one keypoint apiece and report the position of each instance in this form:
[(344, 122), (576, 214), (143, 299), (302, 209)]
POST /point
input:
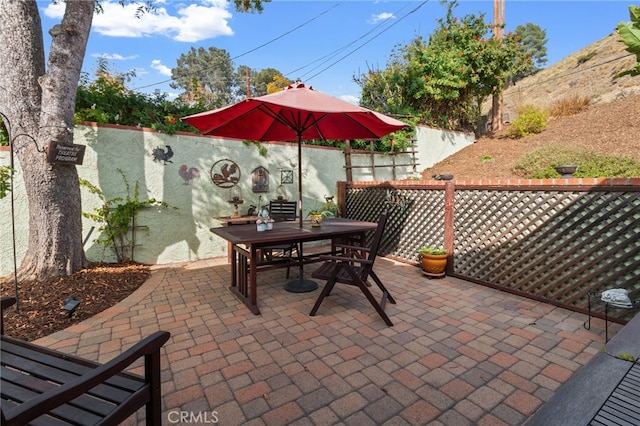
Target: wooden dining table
[(246, 242)]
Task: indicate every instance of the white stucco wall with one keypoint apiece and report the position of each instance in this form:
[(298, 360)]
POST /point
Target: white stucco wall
[(434, 145), (183, 234)]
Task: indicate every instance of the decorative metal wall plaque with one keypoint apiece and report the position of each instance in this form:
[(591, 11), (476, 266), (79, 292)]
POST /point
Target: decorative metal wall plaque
[(225, 173), (260, 179), (286, 176)]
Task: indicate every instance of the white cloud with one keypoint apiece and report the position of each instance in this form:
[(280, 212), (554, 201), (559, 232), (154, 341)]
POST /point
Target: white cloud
[(351, 99), (199, 22), (190, 23), (54, 11), (140, 71), (381, 17), (114, 56), (157, 65)]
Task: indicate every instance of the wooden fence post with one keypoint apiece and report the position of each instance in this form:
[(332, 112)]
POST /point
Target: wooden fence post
[(342, 197), (449, 195)]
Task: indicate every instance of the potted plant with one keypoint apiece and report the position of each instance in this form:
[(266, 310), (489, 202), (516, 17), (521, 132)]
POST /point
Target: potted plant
[(317, 215), (434, 261), (331, 207)]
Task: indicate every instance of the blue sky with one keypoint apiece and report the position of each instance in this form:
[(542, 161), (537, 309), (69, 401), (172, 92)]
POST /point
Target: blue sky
[(325, 43)]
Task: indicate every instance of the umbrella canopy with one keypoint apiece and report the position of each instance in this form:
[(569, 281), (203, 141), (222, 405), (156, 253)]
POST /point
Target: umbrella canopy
[(296, 113)]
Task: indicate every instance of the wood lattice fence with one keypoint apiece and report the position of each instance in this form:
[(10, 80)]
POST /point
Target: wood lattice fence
[(547, 241)]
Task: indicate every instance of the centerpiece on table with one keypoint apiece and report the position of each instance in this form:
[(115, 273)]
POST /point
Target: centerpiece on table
[(264, 221)]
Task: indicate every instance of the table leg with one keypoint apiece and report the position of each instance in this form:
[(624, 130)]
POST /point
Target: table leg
[(253, 286), (243, 278), (234, 267)]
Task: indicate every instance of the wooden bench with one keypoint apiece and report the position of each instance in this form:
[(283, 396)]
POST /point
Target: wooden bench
[(46, 387), (605, 391)]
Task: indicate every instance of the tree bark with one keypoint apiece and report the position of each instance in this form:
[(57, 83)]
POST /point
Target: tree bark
[(497, 113), (38, 105)]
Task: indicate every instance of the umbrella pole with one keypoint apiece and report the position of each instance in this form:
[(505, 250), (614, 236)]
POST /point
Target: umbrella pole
[(300, 285), (300, 178)]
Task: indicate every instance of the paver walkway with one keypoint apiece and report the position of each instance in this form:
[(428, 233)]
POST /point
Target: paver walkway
[(459, 353)]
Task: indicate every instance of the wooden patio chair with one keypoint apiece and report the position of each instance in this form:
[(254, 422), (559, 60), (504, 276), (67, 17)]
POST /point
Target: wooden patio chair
[(355, 267), (281, 211)]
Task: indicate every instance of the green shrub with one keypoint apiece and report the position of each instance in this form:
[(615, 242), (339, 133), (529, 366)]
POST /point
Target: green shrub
[(608, 166), (584, 58), (540, 163), (4, 137), (530, 121), (5, 180)]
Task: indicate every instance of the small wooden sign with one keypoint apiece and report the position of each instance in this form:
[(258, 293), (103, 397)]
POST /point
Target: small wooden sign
[(59, 153)]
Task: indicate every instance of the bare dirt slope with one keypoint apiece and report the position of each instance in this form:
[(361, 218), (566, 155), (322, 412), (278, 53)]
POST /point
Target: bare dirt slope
[(610, 126), (611, 129)]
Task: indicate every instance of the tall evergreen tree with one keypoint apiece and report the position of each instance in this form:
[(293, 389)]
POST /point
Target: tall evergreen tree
[(208, 72), (533, 40)]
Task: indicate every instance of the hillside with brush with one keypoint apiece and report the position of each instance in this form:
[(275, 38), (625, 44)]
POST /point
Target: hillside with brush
[(608, 124)]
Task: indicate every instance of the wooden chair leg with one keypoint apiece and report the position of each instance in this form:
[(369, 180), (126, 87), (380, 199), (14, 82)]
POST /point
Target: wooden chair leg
[(382, 287), (375, 305), (325, 292), (363, 287)]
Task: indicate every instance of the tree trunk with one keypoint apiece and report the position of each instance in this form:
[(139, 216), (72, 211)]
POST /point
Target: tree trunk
[(39, 107), (497, 113)]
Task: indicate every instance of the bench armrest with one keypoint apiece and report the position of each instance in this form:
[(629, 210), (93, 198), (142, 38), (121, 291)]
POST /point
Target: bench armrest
[(47, 401), (5, 302)]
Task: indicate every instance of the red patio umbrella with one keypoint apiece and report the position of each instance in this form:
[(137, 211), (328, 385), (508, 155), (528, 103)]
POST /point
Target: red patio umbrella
[(296, 113)]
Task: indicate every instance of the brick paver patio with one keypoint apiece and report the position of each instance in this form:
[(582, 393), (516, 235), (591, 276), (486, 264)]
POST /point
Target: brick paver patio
[(458, 354)]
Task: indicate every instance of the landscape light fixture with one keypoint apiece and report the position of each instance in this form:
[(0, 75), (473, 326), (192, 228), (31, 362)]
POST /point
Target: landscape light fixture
[(70, 305)]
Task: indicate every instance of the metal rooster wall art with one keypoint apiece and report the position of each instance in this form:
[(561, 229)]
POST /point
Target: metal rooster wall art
[(159, 154), (188, 173)]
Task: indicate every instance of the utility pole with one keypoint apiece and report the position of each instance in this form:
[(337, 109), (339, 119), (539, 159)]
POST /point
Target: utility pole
[(248, 78), (498, 32)]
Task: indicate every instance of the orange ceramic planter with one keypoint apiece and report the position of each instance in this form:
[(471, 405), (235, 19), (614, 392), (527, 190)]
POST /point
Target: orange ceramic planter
[(434, 264)]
